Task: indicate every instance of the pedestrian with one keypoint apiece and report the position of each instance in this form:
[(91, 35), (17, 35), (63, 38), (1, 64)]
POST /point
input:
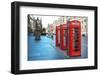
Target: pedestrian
[(52, 36)]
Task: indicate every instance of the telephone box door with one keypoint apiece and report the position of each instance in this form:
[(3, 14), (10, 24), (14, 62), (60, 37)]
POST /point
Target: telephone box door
[(75, 38), (63, 36), (57, 35)]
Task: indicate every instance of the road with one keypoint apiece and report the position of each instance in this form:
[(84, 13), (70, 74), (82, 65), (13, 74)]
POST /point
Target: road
[(45, 49)]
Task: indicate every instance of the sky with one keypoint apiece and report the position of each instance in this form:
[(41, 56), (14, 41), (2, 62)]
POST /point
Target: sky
[(46, 19)]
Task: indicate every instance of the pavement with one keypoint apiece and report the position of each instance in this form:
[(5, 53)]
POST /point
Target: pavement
[(45, 49)]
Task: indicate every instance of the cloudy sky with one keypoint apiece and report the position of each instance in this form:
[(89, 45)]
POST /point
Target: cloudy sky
[(46, 19)]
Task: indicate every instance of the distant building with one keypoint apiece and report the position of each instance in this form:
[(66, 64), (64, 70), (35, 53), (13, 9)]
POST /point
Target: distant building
[(34, 23), (83, 21), (64, 19), (31, 23)]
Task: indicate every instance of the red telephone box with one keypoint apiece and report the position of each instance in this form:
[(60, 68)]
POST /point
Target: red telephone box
[(57, 35), (74, 38), (63, 29)]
